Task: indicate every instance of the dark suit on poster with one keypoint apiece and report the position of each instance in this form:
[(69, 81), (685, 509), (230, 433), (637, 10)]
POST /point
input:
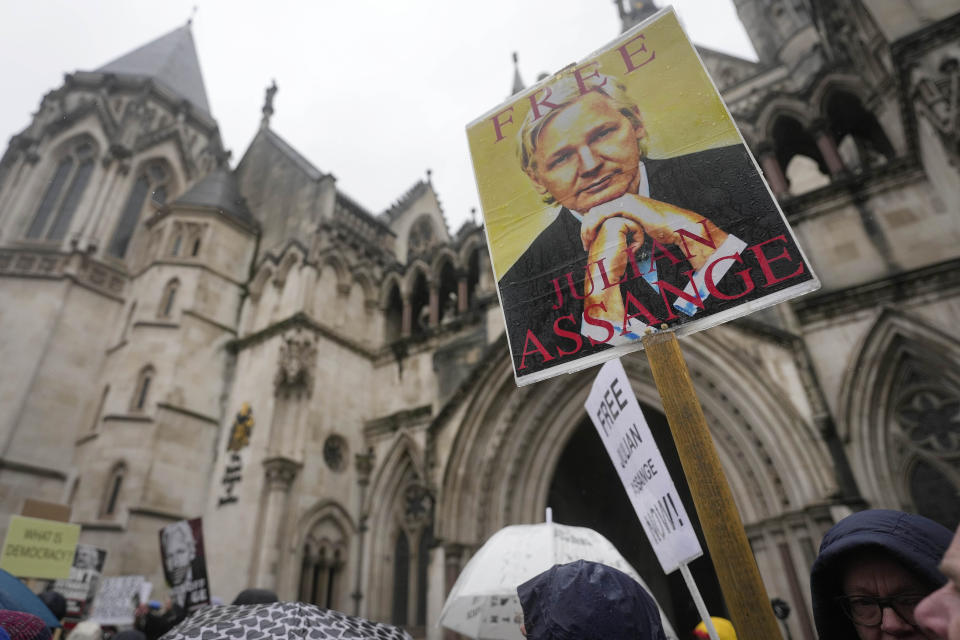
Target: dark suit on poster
[(720, 184)]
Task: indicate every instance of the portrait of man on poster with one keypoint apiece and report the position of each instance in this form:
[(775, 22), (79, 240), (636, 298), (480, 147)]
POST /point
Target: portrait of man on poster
[(635, 242), (184, 565)]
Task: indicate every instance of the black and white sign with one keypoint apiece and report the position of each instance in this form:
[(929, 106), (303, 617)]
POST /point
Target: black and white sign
[(616, 414), (80, 588)]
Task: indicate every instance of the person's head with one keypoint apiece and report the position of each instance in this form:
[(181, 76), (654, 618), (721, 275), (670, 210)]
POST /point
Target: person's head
[(87, 557), (256, 596), (939, 612), (587, 601), (873, 569), (55, 602), (585, 147), (179, 550)]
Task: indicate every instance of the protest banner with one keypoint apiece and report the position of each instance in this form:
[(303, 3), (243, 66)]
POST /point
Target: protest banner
[(184, 563), (117, 599), (35, 548), (81, 586), (615, 412), (620, 199)]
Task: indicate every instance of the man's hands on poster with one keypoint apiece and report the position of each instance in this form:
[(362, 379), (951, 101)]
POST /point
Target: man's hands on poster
[(661, 220), (611, 229)]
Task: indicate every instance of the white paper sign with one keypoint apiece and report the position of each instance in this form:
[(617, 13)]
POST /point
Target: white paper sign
[(116, 600), (616, 414)]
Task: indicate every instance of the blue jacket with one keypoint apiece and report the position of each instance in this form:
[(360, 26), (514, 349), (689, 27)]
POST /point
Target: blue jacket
[(917, 542), (588, 601)]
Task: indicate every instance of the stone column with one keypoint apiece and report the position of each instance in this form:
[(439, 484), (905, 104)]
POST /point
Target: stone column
[(280, 473), (406, 327), (828, 148), (463, 294), (773, 172), (364, 466), (453, 556), (434, 304)]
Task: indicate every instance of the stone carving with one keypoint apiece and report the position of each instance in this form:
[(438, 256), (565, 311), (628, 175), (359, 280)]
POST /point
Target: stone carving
[(280, 472), (935, 88), (417, 506), (930, 418), (298, 356)]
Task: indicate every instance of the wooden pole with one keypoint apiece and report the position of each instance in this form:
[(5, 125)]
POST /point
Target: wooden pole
[(736, 568)]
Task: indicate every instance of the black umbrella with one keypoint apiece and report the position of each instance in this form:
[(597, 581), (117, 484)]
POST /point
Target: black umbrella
[(279, 620)]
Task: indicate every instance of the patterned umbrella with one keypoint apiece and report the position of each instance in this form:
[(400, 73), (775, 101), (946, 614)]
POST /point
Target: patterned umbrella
[(279, 620)]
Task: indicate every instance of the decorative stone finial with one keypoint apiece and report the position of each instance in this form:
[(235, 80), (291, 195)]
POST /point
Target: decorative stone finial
[(268, 104), (429, 174)]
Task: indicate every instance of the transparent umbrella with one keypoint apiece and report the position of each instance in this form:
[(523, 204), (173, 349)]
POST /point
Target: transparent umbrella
[(483, 603)]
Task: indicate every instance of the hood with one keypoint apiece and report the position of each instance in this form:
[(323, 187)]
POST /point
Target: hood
[(588, 601), (916, 542)]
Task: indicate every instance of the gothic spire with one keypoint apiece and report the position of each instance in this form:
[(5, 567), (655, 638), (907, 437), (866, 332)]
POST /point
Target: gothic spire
[(171, 60)]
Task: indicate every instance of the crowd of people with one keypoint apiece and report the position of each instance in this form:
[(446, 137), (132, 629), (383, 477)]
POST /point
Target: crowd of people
[(880, 574)]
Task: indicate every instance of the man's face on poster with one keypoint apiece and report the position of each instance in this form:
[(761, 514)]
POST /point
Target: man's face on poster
[(587, 154), (178, 554), (87, 557)]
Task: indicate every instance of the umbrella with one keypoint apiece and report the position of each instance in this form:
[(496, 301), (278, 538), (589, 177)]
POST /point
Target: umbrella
[(279, 620), (16, 596), (483, 603)]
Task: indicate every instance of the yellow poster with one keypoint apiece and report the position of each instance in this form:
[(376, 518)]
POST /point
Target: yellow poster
[(36, 548), (619, 199)]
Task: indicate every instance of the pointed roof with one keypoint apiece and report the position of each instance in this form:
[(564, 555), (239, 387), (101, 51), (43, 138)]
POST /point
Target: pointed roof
[(171, 60), (218, 190)]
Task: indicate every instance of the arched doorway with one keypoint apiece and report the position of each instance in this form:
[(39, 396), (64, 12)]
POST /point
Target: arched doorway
[(586, 491)]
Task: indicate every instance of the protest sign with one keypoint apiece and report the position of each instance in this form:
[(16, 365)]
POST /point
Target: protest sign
[(616, 414), (36, 548), (620, 199), (184, 563), (117, 599), (81, 586)]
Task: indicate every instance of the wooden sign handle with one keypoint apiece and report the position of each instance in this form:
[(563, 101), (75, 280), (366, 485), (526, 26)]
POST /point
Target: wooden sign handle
[(736, 568)]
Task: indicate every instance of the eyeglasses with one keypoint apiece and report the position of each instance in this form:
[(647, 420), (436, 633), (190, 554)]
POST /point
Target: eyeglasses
[(868, 612)]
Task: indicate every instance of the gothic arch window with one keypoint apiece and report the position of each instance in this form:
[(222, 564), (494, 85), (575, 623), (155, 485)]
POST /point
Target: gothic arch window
[(141, 395), (420, 305), (59, 202), (393, 316), (798, 156), (177, 244), (901, 408), (448, 292), (167, 300), (153, 181), (323, 565), (860, 138), (114, 491), (926, 438), (473, 277), (421, 236), (401, 579)]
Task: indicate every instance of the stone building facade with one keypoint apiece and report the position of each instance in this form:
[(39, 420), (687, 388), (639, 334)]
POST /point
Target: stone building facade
[(330, 388)]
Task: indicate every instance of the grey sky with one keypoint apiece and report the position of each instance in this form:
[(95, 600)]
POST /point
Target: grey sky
[(373, 91)]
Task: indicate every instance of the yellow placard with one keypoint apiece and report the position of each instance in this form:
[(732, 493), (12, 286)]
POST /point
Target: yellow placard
[(36, 548), (681, 110)]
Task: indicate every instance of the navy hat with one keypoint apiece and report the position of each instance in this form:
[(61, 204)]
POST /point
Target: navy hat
[(588, 601), (916, 542)]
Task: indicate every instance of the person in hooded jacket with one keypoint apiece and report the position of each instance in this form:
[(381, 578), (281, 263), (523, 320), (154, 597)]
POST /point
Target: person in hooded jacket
[(585, 600), (873, 568)]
